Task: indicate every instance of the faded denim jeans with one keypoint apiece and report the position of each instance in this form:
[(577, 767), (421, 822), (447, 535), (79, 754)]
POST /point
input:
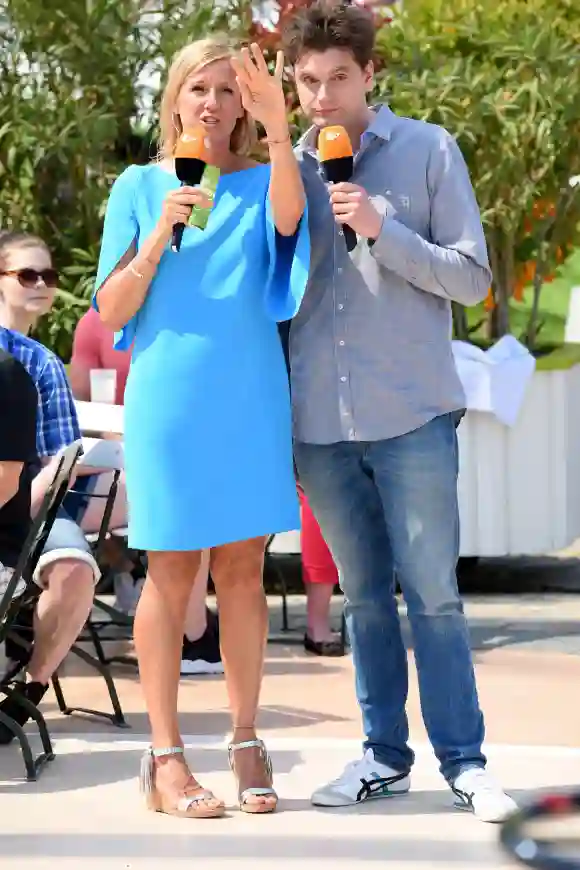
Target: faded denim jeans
[(390, 508)]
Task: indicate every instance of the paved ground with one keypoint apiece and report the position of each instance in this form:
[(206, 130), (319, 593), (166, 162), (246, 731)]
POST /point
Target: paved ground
[(86, 809), (86, 805)]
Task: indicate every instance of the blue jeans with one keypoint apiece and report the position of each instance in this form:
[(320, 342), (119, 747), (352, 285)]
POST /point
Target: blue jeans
[(389, 507)]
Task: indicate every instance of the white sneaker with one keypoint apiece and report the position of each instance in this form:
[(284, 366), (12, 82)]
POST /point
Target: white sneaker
[(478, 793), (365, 779)]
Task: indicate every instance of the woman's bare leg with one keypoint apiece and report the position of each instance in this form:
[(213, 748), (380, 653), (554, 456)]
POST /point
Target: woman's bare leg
[(159, 625), (196, 615), (237, 574)]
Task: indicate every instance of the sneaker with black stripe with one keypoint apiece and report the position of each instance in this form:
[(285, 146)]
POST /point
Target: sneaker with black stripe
[(477, 792), (362, 780)]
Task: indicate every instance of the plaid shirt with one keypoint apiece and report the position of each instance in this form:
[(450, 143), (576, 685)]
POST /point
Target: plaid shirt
[(57, 424)]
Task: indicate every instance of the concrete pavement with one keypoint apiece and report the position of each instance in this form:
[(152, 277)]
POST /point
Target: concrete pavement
[(86, 806)]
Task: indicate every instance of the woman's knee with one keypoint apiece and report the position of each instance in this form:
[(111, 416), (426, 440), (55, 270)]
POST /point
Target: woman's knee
[(239, 564), (173, 573)]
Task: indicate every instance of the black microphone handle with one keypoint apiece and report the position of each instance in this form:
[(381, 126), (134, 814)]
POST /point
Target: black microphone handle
[(335, 170), (177, 235), (349, 237)]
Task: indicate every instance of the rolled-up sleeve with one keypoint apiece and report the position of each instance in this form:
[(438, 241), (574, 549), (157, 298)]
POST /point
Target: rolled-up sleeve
[(454, 263)]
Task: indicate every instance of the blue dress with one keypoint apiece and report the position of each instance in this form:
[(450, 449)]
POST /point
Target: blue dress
[(208, 442)]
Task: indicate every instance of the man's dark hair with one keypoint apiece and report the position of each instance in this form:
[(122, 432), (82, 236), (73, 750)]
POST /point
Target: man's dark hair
[(324, 25)]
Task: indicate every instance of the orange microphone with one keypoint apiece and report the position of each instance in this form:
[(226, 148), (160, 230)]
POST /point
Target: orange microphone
[(337, 161), (190, 162)]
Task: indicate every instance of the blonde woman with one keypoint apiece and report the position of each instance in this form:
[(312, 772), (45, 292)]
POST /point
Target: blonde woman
[(207, 428)]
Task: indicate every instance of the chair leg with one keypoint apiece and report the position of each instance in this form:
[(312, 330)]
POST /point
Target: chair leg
[(284, 593), (116, 717), (343, 635), (97, 641), (33, 765), (59, 694)]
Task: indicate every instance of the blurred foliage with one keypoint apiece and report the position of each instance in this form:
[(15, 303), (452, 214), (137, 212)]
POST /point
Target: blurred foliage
[(79, 86), (79, 90), (504, 77)]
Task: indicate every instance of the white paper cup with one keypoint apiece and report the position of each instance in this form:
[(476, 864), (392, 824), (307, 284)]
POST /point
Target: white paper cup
[(103, 386)]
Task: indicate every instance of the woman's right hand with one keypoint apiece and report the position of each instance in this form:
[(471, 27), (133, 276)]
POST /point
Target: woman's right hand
[(178, 205)]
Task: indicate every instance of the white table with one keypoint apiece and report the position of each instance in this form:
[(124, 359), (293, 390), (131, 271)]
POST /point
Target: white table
[(100, 417)]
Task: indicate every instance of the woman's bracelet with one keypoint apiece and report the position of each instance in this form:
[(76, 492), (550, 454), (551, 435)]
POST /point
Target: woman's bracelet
[(279, 141), (134, 271)]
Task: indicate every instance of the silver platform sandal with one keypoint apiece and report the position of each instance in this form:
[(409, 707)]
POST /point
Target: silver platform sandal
[(249, 806), (189, 806)]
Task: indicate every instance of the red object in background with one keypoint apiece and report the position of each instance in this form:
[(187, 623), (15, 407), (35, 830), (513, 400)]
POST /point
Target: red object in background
[(93, 348), (317, 562), (558, 803)]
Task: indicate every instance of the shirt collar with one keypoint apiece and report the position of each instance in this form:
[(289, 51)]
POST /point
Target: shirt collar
[(381, 125)]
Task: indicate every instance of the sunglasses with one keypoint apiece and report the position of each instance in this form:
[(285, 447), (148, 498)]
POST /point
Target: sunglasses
[(29, 277)]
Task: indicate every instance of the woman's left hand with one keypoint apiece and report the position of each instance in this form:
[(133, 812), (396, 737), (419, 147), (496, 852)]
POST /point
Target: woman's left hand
[(262, 94)]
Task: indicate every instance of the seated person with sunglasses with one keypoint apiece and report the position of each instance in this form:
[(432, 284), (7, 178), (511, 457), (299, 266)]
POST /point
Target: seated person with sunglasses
[(67, 571), (18, 404)]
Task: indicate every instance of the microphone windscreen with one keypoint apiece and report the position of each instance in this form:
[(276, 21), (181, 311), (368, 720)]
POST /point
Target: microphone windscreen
[(333, 144), (191, 145)]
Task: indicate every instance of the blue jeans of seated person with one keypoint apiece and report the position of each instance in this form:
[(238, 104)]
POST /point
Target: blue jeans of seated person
[(385, 508)]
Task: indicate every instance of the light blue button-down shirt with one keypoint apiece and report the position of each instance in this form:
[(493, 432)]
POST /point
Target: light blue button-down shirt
[(370, 349)]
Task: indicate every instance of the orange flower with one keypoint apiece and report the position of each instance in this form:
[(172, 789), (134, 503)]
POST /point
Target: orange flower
[(529, 272), (489, 303), (542, 209)]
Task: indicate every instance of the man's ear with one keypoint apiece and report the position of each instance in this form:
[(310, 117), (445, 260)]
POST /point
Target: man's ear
[(369, 76)]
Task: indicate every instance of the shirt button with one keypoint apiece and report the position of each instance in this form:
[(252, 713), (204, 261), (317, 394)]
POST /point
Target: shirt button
[(339, 270), (341, 232), (341, 343), (340, 307), (343, 379)]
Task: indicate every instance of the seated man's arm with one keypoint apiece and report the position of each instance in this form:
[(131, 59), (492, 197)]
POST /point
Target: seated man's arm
[(58, 425), (18, 408)]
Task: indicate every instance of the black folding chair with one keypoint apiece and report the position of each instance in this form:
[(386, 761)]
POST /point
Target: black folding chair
[(106, 622), (100, 663), (116, 717), (14, 599), (97, 630)]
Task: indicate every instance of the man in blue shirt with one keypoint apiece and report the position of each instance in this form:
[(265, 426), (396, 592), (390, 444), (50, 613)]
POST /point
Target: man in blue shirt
[(67, 571), (376, 400)]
